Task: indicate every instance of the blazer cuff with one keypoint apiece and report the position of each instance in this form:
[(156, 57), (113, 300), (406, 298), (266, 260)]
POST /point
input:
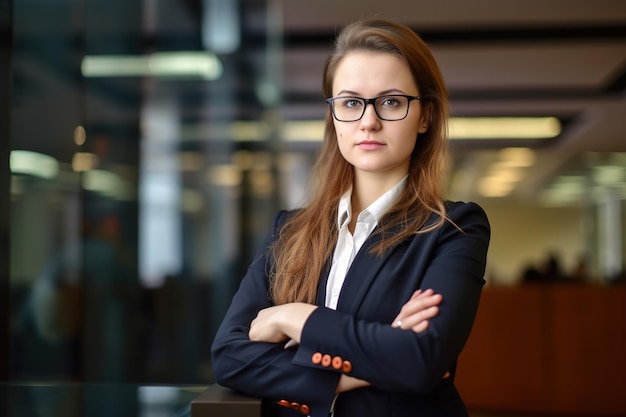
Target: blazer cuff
[(323, 352)]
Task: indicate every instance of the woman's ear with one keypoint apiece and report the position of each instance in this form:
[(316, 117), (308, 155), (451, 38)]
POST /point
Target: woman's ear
[(426, 117)]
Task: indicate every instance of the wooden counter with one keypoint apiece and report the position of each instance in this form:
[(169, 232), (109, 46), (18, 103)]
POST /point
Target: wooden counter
[(552, 348)]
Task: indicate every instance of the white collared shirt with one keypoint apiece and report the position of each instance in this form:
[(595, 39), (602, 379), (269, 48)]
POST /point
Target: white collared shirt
[(348, 245)]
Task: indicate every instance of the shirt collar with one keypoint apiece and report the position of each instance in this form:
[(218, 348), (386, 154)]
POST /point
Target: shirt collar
[(377, 209), (345, 209)]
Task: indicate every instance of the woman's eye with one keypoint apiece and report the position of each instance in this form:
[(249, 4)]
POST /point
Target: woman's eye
[(390, 102), (352, 103)]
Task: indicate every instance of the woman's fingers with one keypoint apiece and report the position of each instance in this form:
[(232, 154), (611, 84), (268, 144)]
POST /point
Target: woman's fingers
[(421, 326), (421, 307), (419, 318), (419, 303)]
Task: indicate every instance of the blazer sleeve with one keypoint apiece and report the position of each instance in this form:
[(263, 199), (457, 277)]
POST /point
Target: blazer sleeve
[(264, 370), (448, 260)]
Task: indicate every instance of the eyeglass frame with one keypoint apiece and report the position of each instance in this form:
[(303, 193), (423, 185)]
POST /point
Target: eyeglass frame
[(372, 101)]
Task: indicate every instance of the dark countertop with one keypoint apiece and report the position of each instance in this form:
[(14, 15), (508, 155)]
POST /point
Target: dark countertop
[(63, 399)]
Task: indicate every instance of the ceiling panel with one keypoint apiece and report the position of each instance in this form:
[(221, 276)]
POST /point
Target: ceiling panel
[(549, 66), (304, 15)]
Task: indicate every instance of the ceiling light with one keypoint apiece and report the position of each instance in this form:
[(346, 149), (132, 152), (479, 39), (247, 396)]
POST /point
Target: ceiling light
[(494, 187), (565, 189), (84, 161), (80, 135), (517, 157), (225, 175), (177, 64), (504, 127), (33, 163), (246, 131), (101, 181), (505, 172), (609, 174), (303, 131)]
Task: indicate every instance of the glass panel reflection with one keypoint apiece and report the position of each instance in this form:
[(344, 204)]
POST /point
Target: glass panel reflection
[(135, 210)]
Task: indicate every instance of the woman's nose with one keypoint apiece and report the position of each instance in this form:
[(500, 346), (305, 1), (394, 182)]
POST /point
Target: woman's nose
[(370, 119)]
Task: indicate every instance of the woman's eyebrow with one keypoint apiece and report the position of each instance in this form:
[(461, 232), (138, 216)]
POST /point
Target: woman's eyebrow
[(352, 93), (382, 93)]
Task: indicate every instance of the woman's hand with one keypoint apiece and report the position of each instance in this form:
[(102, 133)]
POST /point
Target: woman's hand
[(415, 313), (348, 383), (277, 324)]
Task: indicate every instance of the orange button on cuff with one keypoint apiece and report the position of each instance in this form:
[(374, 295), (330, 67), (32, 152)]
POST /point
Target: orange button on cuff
[(326, 360), (302, 408), (337, 362), (316, 358), (346, 367)]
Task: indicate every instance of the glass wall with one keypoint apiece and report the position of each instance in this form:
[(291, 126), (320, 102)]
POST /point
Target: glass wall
[(140, 187)]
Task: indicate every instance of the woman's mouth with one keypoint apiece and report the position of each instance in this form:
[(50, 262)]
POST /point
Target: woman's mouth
[(369, 145)]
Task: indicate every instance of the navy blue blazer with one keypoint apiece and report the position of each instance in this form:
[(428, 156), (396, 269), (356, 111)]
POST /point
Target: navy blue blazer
[(405, 368)]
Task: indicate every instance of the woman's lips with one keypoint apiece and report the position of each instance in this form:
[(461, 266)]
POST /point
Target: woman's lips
[(370, 145)]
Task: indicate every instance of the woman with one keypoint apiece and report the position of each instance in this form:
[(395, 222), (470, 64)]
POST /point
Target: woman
[(360, 303)]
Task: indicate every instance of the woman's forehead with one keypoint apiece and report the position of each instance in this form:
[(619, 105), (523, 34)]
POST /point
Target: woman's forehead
[(380, 71)]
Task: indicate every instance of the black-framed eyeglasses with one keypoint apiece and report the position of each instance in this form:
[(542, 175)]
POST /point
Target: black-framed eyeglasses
[(390, 107)]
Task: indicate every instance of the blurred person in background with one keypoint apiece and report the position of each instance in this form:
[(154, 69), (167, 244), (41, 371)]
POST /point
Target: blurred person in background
[(81, 319)]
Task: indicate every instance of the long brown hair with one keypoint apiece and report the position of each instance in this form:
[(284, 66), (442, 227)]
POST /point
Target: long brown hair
[(307, 239)]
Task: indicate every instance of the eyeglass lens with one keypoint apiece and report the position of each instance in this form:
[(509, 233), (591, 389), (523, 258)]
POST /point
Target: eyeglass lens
[(387, 107)]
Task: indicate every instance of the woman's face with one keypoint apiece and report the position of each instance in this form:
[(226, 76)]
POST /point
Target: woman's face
[(372, 145)]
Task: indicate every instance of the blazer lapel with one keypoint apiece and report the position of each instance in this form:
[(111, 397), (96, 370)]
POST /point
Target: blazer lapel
[(320, 300), (361, 274)]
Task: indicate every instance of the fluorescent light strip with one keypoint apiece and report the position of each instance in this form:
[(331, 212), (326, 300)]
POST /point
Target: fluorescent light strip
[(33, 163), (504, 127), (179, 64)]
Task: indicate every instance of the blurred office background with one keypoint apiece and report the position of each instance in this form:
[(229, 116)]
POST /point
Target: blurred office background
[(146, 145)]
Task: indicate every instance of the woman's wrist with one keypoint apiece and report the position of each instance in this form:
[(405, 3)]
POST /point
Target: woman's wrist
[(293, 319), (348, 383)]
